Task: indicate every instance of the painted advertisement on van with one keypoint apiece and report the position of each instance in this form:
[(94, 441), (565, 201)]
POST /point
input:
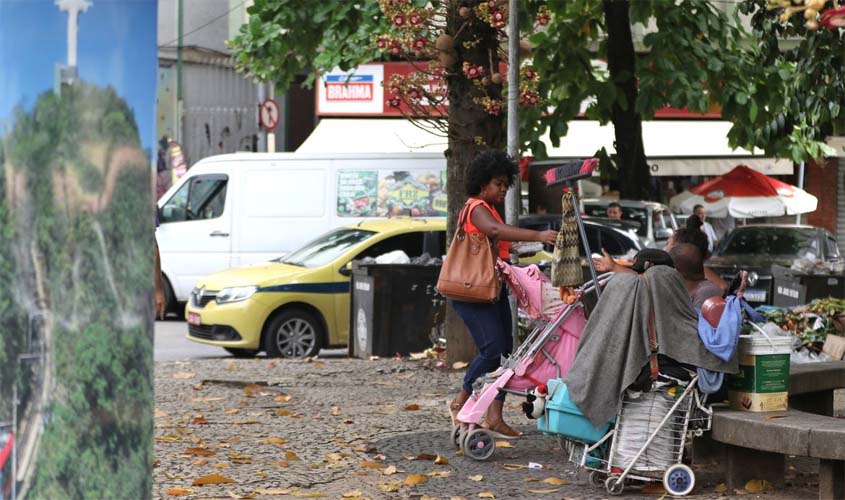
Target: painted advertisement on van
[(391, 193)]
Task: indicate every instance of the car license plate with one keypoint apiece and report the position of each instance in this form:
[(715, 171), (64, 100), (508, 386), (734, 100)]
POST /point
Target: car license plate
[(194, 319), (755, 295)]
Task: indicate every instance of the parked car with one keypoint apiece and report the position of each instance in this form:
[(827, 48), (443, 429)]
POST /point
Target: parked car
[(657, 223), (619, 238), (299, 303), (239, 209), (758, 247)]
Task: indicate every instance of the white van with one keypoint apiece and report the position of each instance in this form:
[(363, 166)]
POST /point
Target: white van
[(238, 209)]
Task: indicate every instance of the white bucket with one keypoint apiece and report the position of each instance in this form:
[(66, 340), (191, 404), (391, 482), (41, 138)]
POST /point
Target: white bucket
[(762, 383)]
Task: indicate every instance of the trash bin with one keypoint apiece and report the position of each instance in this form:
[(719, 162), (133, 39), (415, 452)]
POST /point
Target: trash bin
[(394, 308), (791, 288)]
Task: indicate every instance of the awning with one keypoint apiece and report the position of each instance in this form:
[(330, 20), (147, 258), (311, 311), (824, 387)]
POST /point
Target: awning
[(673, 147)]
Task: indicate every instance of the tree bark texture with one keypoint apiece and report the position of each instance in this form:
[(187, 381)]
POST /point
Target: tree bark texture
[(471, 130), (634, 173)]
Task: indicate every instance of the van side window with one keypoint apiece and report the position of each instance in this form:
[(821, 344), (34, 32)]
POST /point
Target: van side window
[(203, 197)]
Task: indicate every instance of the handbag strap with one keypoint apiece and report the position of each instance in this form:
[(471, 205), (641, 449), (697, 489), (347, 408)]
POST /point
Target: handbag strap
[(653, 346)]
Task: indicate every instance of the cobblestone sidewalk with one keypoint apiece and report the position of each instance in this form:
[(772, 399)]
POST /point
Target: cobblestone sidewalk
[(343, 428)]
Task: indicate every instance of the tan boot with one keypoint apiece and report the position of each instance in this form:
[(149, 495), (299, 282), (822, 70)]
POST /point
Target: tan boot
[(496, 424), (456, 404)]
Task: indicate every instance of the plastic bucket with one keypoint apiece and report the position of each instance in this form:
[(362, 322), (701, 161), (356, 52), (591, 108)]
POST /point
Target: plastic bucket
[(762, 383)]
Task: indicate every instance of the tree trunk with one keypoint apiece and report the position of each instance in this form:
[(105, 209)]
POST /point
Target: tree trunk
[(634, 171), (471, 130)]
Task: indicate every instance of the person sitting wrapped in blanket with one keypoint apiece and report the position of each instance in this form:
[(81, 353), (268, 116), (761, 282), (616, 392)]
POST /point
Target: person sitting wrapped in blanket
[(614, 348)]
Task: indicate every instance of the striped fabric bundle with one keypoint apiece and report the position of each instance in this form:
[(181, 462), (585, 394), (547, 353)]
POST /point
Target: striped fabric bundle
[(566, 261)]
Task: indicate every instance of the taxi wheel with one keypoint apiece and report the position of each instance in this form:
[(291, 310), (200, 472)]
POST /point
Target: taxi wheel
[(293, 334)]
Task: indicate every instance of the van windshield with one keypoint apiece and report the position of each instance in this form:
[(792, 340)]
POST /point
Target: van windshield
[(326, 248)]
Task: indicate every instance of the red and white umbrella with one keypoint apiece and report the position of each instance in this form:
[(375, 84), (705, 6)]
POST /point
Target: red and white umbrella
[(744, 192)]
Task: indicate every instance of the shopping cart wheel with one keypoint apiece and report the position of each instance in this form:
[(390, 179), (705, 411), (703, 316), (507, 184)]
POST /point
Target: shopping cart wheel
[(479, 444), (597, 478), (457, 435), (679, 480), (614, 485)]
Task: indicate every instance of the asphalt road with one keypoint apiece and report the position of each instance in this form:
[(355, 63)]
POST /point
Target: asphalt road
[(171, 344)]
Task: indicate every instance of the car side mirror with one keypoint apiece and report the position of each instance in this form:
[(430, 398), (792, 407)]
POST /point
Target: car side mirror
[(346, 270), (663, 233)]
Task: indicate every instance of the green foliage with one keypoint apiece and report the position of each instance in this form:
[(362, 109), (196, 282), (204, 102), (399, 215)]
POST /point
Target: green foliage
[(97, 266), (283, 39)]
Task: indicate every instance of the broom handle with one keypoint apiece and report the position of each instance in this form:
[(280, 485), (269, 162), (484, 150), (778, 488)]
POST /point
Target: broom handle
[(575, 207)]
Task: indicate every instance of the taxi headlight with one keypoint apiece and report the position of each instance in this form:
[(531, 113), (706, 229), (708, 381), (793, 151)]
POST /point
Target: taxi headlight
[(235, 294)]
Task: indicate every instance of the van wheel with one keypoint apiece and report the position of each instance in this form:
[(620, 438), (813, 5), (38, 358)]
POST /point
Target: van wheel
[(169, 298), (241, 353), (293, 334)]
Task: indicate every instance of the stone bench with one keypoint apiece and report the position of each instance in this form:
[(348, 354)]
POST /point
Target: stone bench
[(755, 444)]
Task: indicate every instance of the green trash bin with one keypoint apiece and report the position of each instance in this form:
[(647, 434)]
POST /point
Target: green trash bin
[(394, 308)]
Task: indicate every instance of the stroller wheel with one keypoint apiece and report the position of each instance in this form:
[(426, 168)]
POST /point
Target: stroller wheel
[(679, 480), (457, 436), (614, 485), (479, 444), (597, 478)]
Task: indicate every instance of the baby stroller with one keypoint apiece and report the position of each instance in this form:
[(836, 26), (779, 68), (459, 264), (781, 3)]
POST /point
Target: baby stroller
[(546, 353)]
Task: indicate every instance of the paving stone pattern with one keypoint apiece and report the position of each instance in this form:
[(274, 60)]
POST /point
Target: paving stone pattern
[(296, 429)]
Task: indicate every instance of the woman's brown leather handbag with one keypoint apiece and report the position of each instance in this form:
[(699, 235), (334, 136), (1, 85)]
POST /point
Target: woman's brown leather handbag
[(469, 271)]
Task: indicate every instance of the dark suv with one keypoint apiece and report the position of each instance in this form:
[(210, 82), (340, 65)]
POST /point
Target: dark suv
[(758, 247)]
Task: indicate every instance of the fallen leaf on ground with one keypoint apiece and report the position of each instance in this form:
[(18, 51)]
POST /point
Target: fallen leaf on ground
[(212, 479), (412, 407), (245, 496), (283, 398), (199, 461), (353, 493), (556, 481), (415, 479), (514, 466), (486, 494), (457, 498), (441, 460), (291, 456), (504, 444), (653, 489), (721, 488), (422, 456), (222, 465), (199, 452), (477, 478), (232, 411), (390, 487), (389, 471), (199, 420), (246, 422), (180, 491), (305, 494), (758, 486), (273, 440), (283, 412), (160, 414), (459, 365), (184, 375), (280, 464), (439, 473), (368, 464), (552, 490), (335, 411), (206, 399)]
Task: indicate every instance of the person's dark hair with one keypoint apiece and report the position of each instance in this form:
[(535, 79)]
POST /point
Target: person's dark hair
[(697, 207), (650, 257), (487, 165), (613, 204), (695, 237), (694, 222), (689, 261)]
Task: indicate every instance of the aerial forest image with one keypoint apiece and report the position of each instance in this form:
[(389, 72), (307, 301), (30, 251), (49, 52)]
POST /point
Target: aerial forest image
[(76, 248)]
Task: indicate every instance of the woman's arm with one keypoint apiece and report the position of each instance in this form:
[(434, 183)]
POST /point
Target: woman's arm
[(487, 224)]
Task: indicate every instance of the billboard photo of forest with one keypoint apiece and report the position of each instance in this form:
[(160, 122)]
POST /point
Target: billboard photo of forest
[(77, 104)]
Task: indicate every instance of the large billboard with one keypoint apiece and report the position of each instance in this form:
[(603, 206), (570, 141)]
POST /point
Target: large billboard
[(77, 112)]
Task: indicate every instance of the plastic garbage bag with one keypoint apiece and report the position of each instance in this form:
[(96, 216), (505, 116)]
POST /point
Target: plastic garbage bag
[(807, 356), (394, 257)]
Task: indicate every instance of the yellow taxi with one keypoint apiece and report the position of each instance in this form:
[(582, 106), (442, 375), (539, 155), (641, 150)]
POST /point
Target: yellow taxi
[(293, 306)]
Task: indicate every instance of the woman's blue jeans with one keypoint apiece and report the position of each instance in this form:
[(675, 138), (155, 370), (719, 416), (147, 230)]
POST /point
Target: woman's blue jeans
[(490, 328)]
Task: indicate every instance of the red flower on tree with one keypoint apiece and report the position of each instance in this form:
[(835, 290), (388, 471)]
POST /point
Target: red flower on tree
[(415, 19), (420, 43), (472, 71), (399, 20), (394, 102)]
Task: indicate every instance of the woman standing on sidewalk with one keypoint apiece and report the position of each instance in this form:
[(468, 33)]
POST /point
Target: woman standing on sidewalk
[(490, 175)]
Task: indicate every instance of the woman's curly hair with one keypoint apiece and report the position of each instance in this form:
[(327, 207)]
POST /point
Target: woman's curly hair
[(486, 166)]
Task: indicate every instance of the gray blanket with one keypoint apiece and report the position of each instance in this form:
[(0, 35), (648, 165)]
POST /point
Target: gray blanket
[(614, 345)]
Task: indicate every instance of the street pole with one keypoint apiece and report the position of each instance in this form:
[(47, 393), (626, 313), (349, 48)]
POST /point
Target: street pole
[(512, 197), (15, 437), (179, 22), (262, 134), (800, 186)]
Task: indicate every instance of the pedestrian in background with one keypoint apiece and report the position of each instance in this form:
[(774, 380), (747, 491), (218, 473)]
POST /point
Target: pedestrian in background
[(488, 178), (614, 211), (706, 228)]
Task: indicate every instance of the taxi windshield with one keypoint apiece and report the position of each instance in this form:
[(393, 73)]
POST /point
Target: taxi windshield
[(326, 248)]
